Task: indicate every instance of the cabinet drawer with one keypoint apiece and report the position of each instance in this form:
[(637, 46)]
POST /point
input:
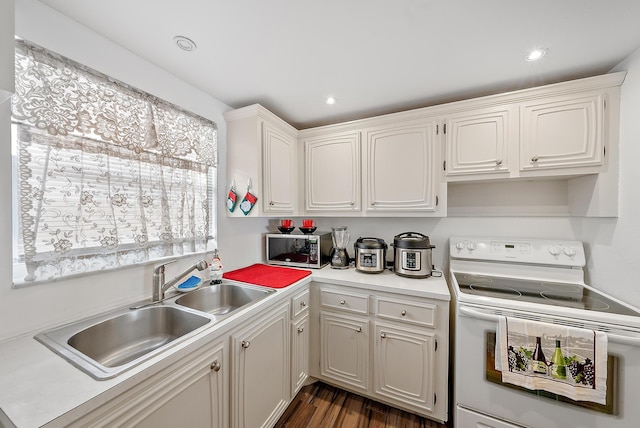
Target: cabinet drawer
[(348, 302), (406, 311), (300, 304)]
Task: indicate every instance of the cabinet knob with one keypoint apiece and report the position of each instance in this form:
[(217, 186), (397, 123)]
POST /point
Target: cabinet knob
[(352, 203), (358, 329), (246, 344), (216, 366), (383, 335), (342, 302), (300, 329), (534, 159), (303, 303), (271, 203), (498, 162), (403, 313)]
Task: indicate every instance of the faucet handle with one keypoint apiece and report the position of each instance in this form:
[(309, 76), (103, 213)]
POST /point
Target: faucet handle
[(160, 268)]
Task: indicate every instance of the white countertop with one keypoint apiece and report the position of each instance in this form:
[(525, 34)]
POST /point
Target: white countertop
[(38, 387)]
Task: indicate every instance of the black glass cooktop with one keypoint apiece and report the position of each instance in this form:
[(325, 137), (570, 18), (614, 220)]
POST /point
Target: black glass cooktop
[(541, 292)]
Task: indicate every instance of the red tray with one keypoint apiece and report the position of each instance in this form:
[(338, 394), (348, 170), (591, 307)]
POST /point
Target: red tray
[(267, 276)]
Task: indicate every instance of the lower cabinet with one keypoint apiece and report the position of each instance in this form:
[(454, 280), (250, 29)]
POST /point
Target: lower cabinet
[(344, 349), (261, 370), (406, 356), (404, 365), (300, 334), (193, 393)]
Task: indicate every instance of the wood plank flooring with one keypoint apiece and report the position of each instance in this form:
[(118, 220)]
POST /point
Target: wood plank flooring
[(323, 406)]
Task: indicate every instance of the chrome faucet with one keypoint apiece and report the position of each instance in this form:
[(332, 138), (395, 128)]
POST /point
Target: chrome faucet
[(159, 286)]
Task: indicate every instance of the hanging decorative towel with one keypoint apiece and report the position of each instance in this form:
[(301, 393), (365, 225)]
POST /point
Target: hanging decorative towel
[(232, 197), (563, 360), (248, 201)]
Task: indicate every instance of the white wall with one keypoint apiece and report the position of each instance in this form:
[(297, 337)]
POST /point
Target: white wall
[(613, 262), (25, 310)]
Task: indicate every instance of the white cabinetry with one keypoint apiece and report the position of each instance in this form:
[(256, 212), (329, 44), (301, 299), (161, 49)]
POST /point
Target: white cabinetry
[(262, 151), (192, 392), (299, 340), (406, 356), (7, 49), (400, 165), (261, 370), (332, 173), (477, 141), (562, 133)]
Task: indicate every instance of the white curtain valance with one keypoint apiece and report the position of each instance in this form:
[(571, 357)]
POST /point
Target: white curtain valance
[(106, 175)]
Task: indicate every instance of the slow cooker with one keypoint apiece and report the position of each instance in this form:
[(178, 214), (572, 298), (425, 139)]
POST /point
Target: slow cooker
[(371, 254), (412, 255)]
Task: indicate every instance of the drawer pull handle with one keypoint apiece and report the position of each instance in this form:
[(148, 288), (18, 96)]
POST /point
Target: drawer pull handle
[(383, 335), (300, 329), (342, 302), (303, 303), (216, 366), (358, 329), (534, 159), (403, 313), (246, 344)]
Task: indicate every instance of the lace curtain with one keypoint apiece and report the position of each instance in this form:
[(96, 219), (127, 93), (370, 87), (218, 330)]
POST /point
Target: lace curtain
[(107, 175)]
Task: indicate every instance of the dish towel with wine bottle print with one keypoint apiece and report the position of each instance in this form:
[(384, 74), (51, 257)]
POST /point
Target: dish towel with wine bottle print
[(567, 361)]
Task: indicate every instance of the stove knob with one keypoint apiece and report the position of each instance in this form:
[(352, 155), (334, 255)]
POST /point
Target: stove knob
[(570, 251), (471, 246), (460, 245), (555, 250)]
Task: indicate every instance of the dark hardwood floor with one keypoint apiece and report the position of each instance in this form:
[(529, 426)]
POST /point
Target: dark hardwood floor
[(323, 406)]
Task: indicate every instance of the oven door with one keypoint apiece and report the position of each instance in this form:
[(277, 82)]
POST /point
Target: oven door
[(494, 404)]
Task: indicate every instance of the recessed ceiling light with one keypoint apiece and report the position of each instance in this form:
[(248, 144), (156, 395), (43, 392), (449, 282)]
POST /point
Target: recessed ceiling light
[(536, 54), (185, 43), (330, 100)]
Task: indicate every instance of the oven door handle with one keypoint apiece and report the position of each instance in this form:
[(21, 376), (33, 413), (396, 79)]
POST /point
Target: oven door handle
[(614, 338)]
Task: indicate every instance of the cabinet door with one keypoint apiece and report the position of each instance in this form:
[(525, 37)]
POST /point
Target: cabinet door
[(261, 371), (202, 404), (562, 132), (344, 349), (192, 392), (332, 173), (299, 353), (279, 170), (401, 172), (477, 141), (404, 365)]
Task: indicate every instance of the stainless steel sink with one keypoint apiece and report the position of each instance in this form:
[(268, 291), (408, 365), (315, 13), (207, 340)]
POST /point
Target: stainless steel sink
[(106, 346), (223, 299)]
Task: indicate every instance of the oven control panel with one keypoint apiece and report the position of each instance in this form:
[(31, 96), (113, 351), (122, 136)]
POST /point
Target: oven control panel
[(518, 250)]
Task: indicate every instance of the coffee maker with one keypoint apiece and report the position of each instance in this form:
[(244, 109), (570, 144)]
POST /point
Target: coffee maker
[(339, 255)]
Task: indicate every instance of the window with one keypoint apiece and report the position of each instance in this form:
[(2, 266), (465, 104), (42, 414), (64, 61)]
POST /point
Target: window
[(105, 175)]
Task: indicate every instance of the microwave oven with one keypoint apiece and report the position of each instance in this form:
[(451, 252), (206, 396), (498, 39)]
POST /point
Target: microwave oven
[(307, 251)]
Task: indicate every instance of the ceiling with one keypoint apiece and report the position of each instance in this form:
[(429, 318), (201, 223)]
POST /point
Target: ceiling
[(374, 56)]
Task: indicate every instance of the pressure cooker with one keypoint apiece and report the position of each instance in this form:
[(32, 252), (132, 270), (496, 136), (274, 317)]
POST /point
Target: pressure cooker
[(371, 254), (412, 255)]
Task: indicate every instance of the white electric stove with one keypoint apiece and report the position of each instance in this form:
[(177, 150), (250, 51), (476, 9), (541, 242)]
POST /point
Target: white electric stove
[(539, 280)]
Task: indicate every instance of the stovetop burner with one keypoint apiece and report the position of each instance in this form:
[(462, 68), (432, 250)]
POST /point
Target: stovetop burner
[(542, 292)]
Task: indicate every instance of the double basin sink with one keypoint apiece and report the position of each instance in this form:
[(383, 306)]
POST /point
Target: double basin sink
[(108, 345)]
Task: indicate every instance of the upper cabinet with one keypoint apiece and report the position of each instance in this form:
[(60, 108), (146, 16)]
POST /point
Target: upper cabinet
[(449, 159), (563, 132), (7, 49), (262, 156), (332, 173), (565, 129), (477, 141), (400, 164)]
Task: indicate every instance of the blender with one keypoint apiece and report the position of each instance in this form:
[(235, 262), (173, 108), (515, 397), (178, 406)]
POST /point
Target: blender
[(339, 256)]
